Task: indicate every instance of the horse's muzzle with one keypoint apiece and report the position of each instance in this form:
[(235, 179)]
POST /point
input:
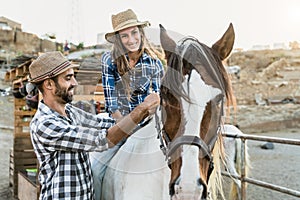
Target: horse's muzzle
[(189, 193)]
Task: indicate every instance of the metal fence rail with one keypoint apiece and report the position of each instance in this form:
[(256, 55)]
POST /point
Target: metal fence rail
[(244, 179)]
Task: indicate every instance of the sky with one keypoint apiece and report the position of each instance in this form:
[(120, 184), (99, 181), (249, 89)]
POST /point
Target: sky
[(256, 22)]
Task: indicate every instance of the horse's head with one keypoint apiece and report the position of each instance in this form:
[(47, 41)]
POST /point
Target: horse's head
[(193, 91)]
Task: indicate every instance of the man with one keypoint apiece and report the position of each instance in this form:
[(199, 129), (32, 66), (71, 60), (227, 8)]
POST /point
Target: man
[(62, 135)]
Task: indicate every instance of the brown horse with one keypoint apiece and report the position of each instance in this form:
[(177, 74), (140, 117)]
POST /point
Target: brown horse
[(193, 93)]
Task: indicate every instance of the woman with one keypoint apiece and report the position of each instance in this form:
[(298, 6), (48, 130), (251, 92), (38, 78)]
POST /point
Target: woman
[(130, 72), (132, 69)]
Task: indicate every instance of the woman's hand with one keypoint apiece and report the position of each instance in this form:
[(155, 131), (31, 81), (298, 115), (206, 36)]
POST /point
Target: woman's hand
[(152, 101), (117, 115)]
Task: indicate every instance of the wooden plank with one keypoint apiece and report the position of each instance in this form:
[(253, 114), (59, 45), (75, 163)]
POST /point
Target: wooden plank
[(24, 154), (21, 131), (22, 123), (7, 77), (17, 82), (27, 190), (24, 112), (22, 144), (22, 147), (12, 74), (24, 163), (20, 102), (19, 72), (21, 135)]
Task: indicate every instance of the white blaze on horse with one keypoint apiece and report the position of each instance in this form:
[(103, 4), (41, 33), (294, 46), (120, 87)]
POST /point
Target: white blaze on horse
[(194, 90)]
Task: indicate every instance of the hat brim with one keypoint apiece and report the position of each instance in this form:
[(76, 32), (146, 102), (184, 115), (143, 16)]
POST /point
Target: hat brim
[(51, 75), (111, 36)]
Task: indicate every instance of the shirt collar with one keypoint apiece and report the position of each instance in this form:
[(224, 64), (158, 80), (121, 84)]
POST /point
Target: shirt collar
[(45, 109), (144, 57)]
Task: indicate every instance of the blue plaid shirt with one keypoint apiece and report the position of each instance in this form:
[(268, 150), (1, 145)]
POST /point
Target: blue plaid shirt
[(144, 78), (62, 145)]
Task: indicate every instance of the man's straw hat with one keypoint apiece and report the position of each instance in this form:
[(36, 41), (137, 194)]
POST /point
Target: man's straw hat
[(123, 20), (48, 65)]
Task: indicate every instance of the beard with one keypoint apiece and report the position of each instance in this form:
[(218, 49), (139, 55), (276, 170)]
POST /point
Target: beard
[(64, 94)]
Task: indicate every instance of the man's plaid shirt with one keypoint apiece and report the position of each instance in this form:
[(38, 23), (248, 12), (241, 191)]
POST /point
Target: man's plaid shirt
[(144, 78), (62, 145)]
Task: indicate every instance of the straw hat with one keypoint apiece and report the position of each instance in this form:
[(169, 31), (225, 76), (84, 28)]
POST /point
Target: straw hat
[(48, 65), (123, 20)]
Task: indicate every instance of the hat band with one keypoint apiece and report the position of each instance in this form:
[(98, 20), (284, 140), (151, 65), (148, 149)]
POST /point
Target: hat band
[(53, 72), (120, 26)]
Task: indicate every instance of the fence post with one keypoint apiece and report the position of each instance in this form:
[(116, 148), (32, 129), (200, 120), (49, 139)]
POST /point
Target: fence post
[(243, 169)]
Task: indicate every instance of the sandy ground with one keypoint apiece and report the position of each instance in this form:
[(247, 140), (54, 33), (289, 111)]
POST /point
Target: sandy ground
[(278, 166)]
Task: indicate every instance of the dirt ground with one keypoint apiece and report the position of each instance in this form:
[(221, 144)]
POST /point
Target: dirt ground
[(277, 166)]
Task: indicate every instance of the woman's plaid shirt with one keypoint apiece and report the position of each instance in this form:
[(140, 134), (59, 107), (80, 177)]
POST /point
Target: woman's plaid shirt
[(62, 145), (144, 78)]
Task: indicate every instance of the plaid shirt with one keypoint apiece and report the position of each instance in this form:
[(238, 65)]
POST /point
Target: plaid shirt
[(146, 76), (62, 145)]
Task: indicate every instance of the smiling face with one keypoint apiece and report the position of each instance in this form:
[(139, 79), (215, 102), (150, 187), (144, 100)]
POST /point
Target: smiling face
[(65, 84), (131, 38)]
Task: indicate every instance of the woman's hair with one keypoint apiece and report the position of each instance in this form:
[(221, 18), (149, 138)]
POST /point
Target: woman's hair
[(120, 59), (119, 52)]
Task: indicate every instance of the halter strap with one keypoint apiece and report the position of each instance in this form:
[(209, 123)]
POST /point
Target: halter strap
[(190, 140)]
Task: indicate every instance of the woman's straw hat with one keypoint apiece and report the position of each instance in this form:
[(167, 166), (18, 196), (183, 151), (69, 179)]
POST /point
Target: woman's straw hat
[(48, 65), (123, 20)]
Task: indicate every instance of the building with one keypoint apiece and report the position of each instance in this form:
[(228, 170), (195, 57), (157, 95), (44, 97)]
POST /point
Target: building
[(7, 24)]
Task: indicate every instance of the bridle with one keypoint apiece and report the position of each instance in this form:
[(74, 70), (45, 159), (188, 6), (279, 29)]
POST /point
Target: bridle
[(168, 147)]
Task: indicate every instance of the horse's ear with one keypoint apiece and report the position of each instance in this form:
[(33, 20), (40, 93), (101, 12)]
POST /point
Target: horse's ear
[(167, 43), (224, 45)]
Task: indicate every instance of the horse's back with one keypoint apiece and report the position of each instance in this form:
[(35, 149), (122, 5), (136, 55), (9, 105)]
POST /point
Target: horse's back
[(138, 170)]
